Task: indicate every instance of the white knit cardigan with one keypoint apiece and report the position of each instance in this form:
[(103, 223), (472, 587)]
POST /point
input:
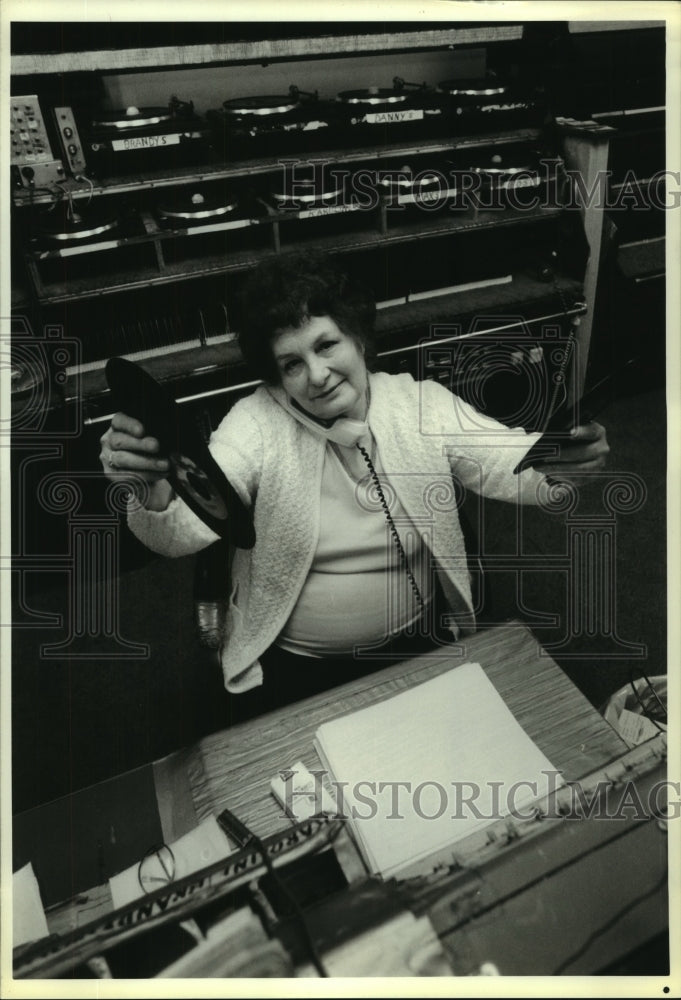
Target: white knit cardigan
[(425, 437)]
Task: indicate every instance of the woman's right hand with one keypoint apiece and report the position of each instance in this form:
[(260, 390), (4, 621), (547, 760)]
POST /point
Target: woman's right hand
[(126, 451)]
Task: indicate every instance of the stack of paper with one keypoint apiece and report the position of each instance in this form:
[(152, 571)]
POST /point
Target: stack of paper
[(29, 923), (422, 770)]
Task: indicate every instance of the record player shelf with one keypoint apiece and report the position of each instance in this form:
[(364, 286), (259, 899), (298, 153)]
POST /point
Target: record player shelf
[(317, 43), (137, 273), (152, 179), (163, 273), (264, 49)]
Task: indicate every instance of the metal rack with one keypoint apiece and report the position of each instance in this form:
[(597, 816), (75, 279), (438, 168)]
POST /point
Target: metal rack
[(136, 264)]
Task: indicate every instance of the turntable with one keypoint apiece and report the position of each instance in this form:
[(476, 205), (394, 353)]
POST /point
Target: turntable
[(312, 200), (488, 103), (202, 209), (270, 123), (303, 187), (70, 226), (249, 109), (209, 219), (478, 91), (386, 109), (414, 183), (76, 240), (145, 135), (518, 174)]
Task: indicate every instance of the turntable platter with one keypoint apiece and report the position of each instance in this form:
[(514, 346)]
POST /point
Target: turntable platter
[(404, 179), (372, 95), (498, 165), (473, 88), (73, 226), (265, 105), (133, 118), (306, 194), (302, 187), (198, 205)]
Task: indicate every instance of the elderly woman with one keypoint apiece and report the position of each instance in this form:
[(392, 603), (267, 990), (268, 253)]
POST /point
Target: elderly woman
[(359, 558)]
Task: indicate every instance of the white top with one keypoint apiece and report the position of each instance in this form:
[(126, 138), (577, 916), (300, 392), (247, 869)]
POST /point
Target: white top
[(425, 436), (357, 591)]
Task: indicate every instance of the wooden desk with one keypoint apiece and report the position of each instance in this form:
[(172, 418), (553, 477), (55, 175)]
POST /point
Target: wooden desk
[(233, 768), (579, 893)]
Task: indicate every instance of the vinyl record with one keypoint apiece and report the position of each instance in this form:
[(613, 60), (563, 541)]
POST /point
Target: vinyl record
[(198, 206), (72, 225), (489, 87), (404, 179), (503, 165), (301, 188), (372, 95), (133, 118), (504, 162), (268, 104), (194, 473)]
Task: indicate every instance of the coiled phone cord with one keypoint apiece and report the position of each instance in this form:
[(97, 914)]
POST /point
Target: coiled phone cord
[(393, 529)]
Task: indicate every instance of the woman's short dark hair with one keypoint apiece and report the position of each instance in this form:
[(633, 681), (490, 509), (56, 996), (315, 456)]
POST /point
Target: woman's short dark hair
[(284, 292)]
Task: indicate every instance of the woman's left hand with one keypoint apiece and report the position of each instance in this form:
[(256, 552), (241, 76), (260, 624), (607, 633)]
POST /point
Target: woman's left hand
[(584, 452)]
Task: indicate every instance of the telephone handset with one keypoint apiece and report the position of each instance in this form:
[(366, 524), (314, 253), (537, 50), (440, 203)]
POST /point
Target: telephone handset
[(345, 431), (348, 432)]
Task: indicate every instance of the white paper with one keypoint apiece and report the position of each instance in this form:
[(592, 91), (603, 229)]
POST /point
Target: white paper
[(29, 923), (461, 757), (201, 847), (635, 729)]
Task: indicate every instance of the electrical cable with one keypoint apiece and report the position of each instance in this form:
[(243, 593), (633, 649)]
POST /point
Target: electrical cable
[(654, 693), (245, 838), (647, 713), (86, 180), (643, 708)]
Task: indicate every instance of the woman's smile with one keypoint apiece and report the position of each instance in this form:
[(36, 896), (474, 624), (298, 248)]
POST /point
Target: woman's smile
[(329, 392)]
